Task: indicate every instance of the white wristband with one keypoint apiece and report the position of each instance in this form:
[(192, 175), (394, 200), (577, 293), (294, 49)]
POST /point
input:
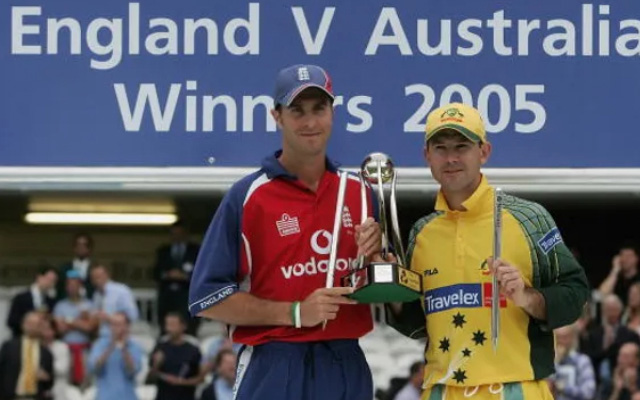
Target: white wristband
[(298, 319)]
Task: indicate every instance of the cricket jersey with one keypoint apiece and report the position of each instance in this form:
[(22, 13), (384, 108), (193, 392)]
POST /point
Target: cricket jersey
[(271, 237), (449, 248)]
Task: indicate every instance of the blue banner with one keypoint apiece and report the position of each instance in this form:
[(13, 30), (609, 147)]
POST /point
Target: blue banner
[(190, 83)]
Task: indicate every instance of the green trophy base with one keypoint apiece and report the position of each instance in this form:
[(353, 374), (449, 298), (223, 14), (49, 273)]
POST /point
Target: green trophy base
[(384, 282)]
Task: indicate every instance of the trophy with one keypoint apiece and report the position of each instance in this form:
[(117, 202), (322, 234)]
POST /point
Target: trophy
[(382, 282)]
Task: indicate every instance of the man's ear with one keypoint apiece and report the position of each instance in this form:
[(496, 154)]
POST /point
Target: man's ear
[(276, 114), (485, 150)]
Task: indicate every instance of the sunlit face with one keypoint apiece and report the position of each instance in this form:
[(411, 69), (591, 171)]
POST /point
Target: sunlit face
[(455, 161), (306, 123)]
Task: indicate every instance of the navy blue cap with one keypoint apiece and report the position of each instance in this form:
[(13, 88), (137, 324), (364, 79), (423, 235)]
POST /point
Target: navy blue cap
[(73, 274), (292, 80)]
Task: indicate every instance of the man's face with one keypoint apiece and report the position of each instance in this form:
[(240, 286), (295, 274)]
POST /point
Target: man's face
[(628, 355), (99, 277), (455, 161), (31, 325), (119, 326), (611, 311), (306, 123), (227, 367), (73, 287), (174, 326), (46, 331), (628, 259), (81, 248), (178, 234), (48, 280)]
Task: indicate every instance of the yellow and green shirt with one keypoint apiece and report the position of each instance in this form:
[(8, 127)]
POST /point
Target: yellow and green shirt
[(449, 248)]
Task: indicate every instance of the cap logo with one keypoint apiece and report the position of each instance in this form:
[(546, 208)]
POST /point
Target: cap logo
[(303, 74), (451, 113)]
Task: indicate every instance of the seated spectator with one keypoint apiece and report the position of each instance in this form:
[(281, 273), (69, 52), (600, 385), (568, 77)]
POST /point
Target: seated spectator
[(175, 363), (413, 389), (115, 360), (625, 381), (61, 359), (574, 378), (26, 366), (603, 341), (631, 317), (74, 322), (221, 387), (36, 298)]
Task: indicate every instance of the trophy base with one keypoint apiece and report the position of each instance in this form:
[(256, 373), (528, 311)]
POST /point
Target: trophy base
[(384, 282)]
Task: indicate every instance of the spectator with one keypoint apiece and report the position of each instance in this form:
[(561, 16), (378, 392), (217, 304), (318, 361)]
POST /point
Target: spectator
[(603, 341), (175, 363), (61, 359), (224, 377), (111, 297), (624, 272), (631, 317), (413, 389), (73, 321), (81, 263), (625, 377), (173, 268), (35, 299), (115, 360), (574, 378), (26, 366)]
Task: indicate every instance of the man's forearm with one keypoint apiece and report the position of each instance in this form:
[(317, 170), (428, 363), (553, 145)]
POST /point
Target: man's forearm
[(248, 310), (534, 304), (606, 287)]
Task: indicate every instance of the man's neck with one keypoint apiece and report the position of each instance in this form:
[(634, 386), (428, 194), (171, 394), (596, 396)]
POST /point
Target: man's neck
[(176, 339), (455, 199), (309, 170), (630, 273)]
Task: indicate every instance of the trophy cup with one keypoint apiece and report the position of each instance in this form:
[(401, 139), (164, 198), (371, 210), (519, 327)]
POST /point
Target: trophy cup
[(382, 282)]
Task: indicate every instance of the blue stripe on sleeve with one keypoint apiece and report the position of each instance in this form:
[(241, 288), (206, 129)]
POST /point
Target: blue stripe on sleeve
[(216, 271)]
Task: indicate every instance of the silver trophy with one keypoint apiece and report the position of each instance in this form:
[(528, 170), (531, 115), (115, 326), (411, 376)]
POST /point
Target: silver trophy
[(383, 282)]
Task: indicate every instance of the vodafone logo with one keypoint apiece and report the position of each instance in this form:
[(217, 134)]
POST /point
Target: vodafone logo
[(321, 245), (321, 242)]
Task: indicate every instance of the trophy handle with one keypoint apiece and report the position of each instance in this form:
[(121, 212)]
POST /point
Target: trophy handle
[(383, 212), (395, 225), (364, 211), (337, 222)]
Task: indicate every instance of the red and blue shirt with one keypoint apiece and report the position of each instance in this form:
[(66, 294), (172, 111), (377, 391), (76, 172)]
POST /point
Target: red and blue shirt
[(271, 237)]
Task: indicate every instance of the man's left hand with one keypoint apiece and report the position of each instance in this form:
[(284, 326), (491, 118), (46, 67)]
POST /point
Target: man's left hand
[(510, 281)]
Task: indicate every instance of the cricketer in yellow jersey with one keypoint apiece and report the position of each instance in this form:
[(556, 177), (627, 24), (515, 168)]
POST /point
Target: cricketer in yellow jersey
[(542, 286)]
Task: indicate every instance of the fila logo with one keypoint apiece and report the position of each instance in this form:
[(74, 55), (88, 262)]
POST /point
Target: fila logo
[(429, 272), (347, 222), (287, 225), (303, 74)]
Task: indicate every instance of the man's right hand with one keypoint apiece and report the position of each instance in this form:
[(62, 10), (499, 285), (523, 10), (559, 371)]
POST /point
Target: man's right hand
[(323, 305), (615, 265)]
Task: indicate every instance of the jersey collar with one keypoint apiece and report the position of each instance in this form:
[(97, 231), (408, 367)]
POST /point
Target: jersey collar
[(477, 203), (274, 169)]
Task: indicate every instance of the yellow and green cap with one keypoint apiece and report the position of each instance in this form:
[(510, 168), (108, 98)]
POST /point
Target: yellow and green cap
[(459, 117)]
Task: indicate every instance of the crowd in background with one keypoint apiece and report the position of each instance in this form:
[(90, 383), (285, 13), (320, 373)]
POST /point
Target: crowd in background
[(72, 329)]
